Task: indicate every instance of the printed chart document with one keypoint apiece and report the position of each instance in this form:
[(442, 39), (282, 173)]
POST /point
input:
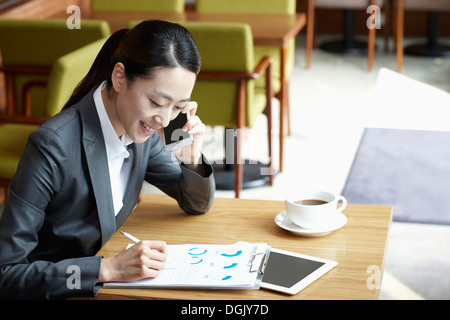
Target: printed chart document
[(207, 266)]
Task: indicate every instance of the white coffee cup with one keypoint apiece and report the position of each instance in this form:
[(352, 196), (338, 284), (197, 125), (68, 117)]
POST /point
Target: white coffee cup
[(313, 209)]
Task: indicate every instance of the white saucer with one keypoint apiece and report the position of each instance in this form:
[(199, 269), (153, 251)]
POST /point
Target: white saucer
[(285, 223)]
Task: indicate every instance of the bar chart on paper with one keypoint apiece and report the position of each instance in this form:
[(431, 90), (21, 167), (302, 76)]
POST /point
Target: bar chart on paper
[(206, 266)]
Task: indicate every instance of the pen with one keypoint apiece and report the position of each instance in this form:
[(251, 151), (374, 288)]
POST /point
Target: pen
[(129, 236), (136, 240)]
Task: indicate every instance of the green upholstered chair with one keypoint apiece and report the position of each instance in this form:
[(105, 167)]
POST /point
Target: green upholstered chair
[(265, 7), (65, 74), (148, 5), (29, 48), (258, 6), (226, 88)]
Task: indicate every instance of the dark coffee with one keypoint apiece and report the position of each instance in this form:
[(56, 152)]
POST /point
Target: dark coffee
[(311, 202)]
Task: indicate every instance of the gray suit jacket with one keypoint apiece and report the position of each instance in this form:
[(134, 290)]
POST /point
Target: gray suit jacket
[(60, 209)]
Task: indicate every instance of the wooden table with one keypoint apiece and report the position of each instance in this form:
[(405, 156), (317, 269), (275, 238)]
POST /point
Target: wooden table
[(267, 30), (358, 247)]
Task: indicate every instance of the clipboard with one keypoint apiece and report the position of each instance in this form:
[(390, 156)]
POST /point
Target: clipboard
[(236, 266)]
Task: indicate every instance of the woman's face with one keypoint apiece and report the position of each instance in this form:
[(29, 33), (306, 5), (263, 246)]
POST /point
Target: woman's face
[(147, 105)]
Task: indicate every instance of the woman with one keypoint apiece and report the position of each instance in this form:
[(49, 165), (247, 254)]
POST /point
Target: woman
[(81, 172)]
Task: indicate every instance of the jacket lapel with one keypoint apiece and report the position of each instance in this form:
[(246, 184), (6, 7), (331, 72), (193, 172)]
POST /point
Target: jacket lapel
[(95, 150), (133, 187)]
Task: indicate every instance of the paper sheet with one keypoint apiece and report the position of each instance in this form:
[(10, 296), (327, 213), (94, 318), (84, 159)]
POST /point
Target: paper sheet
[(207, 266)]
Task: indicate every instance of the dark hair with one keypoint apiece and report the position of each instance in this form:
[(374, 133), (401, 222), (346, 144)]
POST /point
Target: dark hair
[(150, 45)]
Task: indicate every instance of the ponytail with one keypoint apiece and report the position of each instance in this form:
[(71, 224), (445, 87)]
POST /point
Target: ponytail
[(150, 45), (100, 69)]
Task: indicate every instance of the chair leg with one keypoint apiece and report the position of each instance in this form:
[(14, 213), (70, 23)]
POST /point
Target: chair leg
[(268, 113), (238, 174), (281, 128), (238, 163), (371, 49), (387, 7), (283, 98), (241, 122), (371, 45), (399, 34), (288, 107), (309, 33)]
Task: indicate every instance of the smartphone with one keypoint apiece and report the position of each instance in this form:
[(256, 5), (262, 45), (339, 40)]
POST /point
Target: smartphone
[(174, 137)]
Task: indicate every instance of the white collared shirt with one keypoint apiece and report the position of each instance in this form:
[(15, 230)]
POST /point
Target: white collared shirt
[(120, 160)]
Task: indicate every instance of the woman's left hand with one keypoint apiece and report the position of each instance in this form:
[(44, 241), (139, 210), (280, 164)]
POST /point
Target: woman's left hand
[(191, 155)]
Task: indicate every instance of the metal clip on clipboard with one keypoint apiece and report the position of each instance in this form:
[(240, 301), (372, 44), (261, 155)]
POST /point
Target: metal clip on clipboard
[(259, 262)]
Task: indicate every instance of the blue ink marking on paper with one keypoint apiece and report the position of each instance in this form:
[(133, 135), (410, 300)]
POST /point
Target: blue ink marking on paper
[(196, 262), (226, 278), (193, 252), (231, 266), (231, 255)]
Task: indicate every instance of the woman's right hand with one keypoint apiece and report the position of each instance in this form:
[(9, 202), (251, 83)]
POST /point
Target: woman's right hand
[(143, 260)]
